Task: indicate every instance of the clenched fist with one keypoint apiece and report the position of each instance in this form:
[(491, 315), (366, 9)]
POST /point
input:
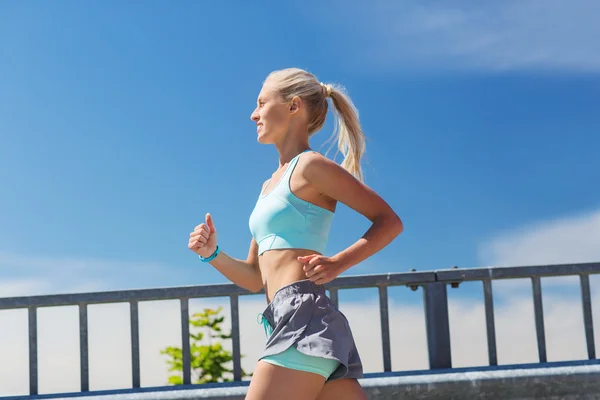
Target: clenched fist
[(203, 240)]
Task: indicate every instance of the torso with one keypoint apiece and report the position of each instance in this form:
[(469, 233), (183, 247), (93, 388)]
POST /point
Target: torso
[(280, 267)]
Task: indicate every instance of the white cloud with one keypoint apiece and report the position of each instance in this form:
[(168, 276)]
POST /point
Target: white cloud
[(23, 287), (110, 365), (69, 265), (490, 35), (567, 239), (26, 275), (562, 240)]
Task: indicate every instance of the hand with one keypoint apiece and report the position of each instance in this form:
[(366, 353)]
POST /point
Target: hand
[(320, 269), (203, 240)]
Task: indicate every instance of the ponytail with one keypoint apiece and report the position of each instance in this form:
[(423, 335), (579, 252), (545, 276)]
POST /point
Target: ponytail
[(347, 129)]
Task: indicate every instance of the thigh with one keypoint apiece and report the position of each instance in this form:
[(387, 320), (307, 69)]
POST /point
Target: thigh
[(347, 389), (272, 382)]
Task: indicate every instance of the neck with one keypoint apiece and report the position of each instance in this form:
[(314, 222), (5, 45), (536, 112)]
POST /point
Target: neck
[(292, 145), (287, 153)]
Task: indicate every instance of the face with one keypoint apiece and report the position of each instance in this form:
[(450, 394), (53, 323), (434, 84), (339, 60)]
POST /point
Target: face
[(272, 115)]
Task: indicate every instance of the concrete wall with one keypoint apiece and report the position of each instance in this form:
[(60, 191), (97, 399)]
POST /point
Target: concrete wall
[(576, 380)]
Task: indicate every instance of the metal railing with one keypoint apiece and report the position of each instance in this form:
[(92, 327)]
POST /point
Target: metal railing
[(434, 284)]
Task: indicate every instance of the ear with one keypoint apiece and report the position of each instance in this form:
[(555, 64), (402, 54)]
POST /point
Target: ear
[(295, 104)]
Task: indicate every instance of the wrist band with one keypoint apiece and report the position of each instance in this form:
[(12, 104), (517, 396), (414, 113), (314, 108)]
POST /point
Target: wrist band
[(216, 253)]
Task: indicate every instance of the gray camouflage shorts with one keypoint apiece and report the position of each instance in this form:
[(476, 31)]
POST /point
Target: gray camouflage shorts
[(301, 315)]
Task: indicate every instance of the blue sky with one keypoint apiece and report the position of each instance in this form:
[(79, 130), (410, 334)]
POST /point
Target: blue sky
[(122, 124)]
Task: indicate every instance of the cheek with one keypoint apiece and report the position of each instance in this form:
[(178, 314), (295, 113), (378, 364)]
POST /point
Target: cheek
[(276, 118)]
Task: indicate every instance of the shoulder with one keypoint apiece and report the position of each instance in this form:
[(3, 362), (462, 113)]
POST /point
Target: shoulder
[(334, 181), (328, 177), (313, 162), (317, 167)]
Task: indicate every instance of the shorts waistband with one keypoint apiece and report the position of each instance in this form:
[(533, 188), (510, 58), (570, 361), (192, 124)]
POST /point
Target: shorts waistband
[(304, 286)]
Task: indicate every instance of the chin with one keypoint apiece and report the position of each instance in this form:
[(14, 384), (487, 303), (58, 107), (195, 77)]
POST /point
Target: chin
[(263, 140)]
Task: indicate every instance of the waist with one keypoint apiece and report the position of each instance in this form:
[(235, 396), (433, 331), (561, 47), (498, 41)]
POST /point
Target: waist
[(280, 268)]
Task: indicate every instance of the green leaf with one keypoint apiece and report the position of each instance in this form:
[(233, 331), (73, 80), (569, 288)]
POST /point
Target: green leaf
[(207, 361), (175, 380)]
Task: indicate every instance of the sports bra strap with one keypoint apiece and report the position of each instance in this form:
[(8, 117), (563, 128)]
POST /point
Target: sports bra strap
[(290, 168)]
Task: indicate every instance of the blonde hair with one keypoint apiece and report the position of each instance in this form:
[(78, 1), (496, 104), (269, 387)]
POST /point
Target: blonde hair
[(292, 82)]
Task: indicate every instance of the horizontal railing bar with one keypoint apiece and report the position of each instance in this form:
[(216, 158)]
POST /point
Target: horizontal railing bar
[(478, 274), (117, 296), (219, 290), (365, 281), (346, 282)]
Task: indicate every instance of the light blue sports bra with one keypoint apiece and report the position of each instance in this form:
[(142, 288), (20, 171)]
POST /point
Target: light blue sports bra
[(281, 220)]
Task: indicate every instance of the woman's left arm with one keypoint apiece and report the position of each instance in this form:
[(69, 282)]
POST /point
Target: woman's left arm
[(332, 180)]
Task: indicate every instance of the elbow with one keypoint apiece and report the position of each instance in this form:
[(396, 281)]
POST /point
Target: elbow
[(255, 288), (395, 223), (251, 287), (390, 223), (399, 226), (257, 285)]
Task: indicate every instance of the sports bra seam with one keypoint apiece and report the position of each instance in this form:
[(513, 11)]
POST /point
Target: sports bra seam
[(313, 205), (293, 207), (293, 233), (275, 235), (266, 237)]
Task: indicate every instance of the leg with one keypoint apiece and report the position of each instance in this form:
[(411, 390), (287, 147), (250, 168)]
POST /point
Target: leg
[(347, 389), (272, 382)]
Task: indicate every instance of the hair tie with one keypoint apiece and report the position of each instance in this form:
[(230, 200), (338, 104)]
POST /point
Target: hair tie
[(328, 89)]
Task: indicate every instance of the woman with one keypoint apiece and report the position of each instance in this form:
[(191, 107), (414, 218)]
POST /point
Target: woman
[(310, 352)]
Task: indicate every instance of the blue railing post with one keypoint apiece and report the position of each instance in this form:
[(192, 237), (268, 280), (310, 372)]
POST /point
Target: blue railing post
[(437, 324)]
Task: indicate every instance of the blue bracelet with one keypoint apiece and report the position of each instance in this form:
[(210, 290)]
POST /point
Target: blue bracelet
[(216, 253)]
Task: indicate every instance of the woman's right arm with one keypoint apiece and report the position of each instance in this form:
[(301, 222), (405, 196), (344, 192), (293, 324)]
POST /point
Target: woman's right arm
[(244, 273)]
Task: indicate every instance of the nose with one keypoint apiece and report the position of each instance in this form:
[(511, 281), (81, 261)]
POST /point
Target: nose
[(254, 115)]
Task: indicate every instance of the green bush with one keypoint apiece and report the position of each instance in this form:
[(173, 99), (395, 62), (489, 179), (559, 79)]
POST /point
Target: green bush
[(207, 359)]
